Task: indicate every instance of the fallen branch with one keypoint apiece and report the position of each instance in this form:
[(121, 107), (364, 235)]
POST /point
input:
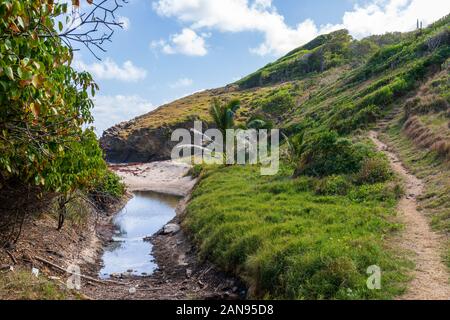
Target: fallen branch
[(81, 275), (11, 256)]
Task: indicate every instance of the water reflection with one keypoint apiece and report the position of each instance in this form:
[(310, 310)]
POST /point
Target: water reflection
[(143, 216)]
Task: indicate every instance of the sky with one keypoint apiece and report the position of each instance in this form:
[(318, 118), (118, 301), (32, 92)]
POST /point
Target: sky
[(168, 49)]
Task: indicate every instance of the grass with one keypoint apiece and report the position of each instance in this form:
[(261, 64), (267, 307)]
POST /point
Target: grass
[(22, 285), (287, 242)]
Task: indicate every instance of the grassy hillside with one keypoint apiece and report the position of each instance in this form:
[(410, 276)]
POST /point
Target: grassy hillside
[(300, 238), (334, 81), (315, 235)]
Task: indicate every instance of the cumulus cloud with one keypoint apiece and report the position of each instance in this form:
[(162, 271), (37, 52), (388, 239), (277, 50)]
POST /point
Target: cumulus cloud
[(392, 15), (110, 110), (188, 42), (375, 17), (108, 69), (181, 83)]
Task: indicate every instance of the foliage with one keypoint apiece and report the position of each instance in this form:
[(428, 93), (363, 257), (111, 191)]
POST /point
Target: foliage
[(326, 154), (44, 135), (258, 122), (332, 185), (277, 103), (46, 143), (223, 114), (374, 170), (111, 185)]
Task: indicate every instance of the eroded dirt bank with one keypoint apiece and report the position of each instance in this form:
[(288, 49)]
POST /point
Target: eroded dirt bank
[(430, 277)]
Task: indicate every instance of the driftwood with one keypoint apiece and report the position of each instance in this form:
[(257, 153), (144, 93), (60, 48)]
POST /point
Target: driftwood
[(105, 282), (11, 256)]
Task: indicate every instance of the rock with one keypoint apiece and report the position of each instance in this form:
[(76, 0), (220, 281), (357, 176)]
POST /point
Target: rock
[(129, 142), (171, 228)]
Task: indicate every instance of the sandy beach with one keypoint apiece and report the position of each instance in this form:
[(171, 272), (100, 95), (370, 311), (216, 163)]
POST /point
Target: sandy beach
[(164, 176)]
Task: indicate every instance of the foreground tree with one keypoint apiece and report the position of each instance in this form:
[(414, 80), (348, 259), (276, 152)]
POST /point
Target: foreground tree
[(47, 146)]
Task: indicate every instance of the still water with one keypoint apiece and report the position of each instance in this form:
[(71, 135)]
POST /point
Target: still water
[(143, 216)]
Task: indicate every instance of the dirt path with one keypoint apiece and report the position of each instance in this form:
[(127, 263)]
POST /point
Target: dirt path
[(430, 277)]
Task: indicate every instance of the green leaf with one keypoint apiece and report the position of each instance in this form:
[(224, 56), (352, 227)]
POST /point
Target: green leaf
[(9, 73), (60, 26)]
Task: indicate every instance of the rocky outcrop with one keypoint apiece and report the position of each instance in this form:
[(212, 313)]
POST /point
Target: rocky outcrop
[(122, 145)]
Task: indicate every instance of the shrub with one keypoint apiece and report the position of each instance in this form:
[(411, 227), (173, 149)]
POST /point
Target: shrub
[(373, 192), (365, 116), (278, 103), (374, 170), (327, 154), (112, 185), (333, 185)]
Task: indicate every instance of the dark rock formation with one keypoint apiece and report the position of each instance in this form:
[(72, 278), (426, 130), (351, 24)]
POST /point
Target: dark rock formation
[(139, 145)]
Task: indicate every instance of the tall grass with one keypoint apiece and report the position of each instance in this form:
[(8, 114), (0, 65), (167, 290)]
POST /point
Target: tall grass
[(286, 241)]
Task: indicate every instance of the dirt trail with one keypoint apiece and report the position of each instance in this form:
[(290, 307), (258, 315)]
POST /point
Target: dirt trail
[(430, 277)]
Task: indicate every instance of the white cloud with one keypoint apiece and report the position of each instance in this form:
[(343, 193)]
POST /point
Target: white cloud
[(111, 110), (182, 82), (108, 69), (125, 22), (393, 15), (188, 42), (378, 16)]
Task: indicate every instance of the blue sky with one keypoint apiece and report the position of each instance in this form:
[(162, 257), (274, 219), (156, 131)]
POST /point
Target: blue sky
[(171, 48)]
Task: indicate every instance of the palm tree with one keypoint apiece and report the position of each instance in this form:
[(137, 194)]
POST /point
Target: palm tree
[(223, 114), (259, 123)]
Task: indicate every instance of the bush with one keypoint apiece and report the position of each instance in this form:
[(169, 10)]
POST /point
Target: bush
[(365, 116), (333, 185), (327, 154), (277, 103), (112, 185), (374, 170), (375, 192)]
